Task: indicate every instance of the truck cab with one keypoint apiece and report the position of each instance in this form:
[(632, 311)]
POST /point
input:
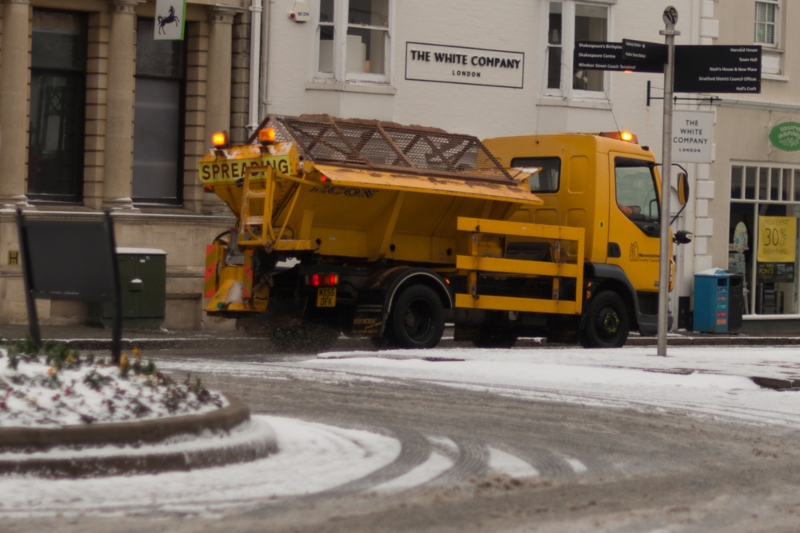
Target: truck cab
[(611, 188)]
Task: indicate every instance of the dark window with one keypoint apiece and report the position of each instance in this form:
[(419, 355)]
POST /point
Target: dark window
[(547, 179), (158, 118), (56, 130)]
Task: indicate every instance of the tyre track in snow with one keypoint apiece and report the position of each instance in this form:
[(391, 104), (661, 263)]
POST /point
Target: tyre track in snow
[(633, 467)]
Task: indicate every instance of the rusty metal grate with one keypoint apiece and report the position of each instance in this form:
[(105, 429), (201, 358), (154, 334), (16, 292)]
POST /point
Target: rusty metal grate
[(388, 146)]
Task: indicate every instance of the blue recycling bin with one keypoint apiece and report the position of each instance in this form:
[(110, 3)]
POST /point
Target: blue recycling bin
[(711, 301)]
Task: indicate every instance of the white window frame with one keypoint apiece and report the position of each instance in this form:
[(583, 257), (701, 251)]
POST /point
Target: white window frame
[(340, 26), (568, 49), (777, 24), (772, 53)]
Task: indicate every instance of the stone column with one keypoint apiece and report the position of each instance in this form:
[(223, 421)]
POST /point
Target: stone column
[(14, 82), (117, 185), (220, 52), (218, 86)]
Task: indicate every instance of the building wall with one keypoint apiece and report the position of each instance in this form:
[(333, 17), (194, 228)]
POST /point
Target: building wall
[(744, 122), (518, 26), (181, 230)]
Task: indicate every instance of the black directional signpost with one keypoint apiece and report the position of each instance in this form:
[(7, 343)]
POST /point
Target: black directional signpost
[(628, 56), (718, 69), (601, 56), (648, 57), (688, 69), (698, 68)]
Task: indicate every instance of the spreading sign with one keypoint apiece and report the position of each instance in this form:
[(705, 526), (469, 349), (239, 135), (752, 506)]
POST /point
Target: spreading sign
[(777, 238)]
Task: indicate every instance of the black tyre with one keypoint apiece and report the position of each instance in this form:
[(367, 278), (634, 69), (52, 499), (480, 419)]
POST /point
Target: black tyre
[(416, 319), (304, 338), (606, 322)]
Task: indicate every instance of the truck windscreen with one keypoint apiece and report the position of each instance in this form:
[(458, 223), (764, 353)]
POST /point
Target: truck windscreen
[(635, 185)]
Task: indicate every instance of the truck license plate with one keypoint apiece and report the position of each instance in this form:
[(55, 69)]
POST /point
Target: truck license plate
[(326, 297)]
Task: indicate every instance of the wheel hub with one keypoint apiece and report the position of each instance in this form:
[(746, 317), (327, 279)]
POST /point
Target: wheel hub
[(610, 322)]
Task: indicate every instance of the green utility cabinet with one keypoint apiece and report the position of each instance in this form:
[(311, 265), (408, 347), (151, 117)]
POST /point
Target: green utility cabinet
[(143, 288)]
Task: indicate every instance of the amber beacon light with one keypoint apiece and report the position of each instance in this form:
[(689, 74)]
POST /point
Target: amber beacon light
[(621, 135), (266, 136), (220, 139)]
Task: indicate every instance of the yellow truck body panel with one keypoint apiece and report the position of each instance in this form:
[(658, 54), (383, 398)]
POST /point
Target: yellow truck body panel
[(586, 198)]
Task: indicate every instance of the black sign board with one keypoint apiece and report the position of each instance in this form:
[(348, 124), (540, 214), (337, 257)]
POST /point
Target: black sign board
[(590, 55), (718, 69), (648, 57), (776, 272), (70, 260)]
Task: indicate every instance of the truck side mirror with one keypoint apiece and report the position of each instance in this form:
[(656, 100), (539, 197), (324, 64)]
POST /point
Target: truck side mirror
[(683, 188), (683, 237)]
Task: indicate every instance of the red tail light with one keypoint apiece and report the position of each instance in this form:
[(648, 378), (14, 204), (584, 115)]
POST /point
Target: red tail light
[(322, 280)]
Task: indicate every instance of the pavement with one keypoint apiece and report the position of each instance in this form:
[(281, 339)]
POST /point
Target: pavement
[(82, 337)]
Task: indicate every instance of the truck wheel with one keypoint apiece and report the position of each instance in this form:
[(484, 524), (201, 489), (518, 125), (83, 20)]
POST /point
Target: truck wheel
[(304, 338), (606, 322), (417, 319)]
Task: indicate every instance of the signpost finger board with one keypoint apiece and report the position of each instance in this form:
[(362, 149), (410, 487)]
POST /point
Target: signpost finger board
[(718, 69), (698, 68)]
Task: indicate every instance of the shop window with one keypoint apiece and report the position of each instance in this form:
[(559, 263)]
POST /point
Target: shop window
[(354, 40), (763, 236), (569, 22), (57, 113), (158, 118)]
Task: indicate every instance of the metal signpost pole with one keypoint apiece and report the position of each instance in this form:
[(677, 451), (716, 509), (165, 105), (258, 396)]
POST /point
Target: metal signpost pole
[(670, 19)]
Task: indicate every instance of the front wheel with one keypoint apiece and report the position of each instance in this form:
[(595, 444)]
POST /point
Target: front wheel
[(606, 322), (417, 319)]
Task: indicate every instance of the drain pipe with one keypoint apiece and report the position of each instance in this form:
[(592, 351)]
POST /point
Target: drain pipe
[(265, 48), (255, 63)]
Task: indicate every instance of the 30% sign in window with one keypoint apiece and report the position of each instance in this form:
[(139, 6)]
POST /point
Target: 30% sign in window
[(777, 239)]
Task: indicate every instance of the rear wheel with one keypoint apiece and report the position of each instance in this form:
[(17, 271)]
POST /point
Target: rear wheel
[(606, 323), (416, 319)]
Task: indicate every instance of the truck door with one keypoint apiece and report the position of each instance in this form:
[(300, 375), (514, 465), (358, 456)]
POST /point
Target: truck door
[(634, 216)]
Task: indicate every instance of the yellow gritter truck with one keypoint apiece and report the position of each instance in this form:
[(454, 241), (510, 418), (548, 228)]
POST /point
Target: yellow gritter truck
[(388, 231)]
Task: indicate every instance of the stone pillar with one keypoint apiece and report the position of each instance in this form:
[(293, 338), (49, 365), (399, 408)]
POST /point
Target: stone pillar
[(220, 52), (14, 83), (218, 87), (117, 185)]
